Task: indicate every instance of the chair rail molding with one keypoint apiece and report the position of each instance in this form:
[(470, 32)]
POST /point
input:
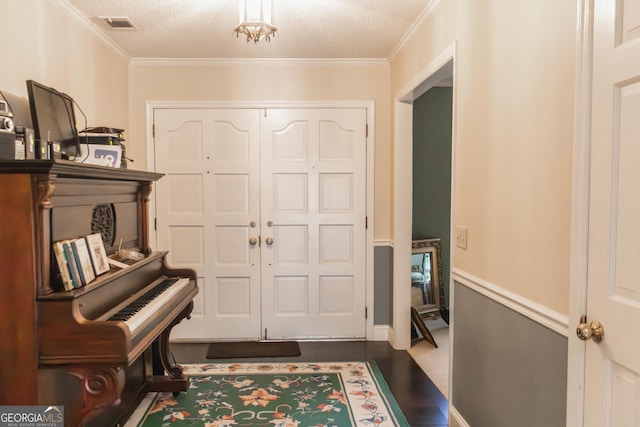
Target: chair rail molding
[(383, 242), (551, 319)]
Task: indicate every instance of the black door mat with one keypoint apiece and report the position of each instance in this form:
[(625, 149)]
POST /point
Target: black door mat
[(232, 350)]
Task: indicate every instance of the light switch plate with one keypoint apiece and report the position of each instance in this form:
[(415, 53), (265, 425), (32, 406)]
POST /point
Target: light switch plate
[(461, 236)]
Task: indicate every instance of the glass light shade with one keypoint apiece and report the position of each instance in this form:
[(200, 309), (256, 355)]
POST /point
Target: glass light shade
[(255, 20), (255, 11)]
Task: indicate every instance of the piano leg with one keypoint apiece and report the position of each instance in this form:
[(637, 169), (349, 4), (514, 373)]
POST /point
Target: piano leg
[(175, 381)]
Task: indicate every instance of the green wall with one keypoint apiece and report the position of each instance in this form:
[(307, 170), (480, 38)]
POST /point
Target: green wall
[(432, 114)]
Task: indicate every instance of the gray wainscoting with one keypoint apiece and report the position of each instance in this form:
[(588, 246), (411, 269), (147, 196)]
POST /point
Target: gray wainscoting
[(508, 370), (383, 285)]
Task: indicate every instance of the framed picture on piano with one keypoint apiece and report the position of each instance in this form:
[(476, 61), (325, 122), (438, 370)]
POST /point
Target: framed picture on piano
[(98, 254)]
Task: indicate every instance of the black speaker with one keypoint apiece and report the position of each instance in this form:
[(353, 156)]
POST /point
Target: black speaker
[(29, 140)]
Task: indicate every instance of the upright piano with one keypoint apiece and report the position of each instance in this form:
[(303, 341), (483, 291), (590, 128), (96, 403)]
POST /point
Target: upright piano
[(96, 350)]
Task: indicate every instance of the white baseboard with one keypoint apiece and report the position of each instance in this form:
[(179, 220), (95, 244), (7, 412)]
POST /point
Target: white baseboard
[(455, 419), (381, 332)]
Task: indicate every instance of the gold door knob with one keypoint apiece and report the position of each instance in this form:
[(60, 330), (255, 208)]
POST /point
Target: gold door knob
[(594, 330), (269, 241), (253, 241)]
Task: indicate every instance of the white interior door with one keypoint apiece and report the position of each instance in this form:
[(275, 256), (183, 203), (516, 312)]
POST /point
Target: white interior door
[(205, 207), (313, 208), (268, 206), (612, 374)]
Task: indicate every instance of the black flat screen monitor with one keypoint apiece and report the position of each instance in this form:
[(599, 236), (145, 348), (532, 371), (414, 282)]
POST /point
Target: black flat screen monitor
[(53, 118)]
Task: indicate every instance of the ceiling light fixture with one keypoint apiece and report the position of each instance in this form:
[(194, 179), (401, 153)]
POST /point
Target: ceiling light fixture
[(255, 20)]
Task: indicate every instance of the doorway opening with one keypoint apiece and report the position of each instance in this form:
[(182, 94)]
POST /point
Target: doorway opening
[(431, 220), (439, 72)]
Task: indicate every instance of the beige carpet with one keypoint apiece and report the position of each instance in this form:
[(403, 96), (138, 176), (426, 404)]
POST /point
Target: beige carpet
[(434, 361)]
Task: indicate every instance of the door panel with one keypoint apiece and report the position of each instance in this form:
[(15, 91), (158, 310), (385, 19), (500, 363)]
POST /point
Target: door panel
[(313, 273), (611, 379), (205, 205)]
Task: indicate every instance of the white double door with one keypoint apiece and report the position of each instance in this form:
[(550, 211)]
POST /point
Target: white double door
[(268, 206)]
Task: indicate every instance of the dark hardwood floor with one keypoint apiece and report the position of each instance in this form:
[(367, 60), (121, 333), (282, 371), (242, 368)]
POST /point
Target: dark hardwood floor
[(421, 402)]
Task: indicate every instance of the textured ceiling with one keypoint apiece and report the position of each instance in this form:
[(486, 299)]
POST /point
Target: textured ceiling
[(307, 29)]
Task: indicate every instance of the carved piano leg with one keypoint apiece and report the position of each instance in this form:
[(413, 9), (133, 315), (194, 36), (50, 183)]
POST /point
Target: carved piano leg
[(176, 381), (101, 388)]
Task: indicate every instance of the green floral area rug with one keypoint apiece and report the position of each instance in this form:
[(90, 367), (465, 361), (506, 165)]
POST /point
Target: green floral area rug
[(277, 395)]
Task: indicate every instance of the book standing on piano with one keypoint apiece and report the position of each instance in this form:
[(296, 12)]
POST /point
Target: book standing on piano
[(71, 263), (83, 260), (80, 260), (63, 266)]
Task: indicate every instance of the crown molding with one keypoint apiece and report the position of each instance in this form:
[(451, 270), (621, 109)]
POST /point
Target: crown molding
[(89, 26), (422, 19), (204, 62)]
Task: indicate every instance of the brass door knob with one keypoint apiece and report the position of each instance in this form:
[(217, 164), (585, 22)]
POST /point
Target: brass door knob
[(594, 330), (269, 241), (253, 241)]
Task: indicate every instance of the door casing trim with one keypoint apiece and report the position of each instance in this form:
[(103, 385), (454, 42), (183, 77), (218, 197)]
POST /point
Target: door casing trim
[(431, 74), (576, 352)]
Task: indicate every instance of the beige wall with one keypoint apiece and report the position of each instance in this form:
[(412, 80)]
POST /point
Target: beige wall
[(513, 118), (514, 115), (58, 51), (270, 82), (42, 42)]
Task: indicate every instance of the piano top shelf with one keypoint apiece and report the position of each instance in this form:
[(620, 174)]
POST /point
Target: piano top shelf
[(67, 168)]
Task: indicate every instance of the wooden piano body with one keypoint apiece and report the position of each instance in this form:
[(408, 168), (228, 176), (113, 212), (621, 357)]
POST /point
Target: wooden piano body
[(59, 347)]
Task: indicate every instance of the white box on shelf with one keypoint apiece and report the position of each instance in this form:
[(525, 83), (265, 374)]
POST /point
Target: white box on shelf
[(102, 155)]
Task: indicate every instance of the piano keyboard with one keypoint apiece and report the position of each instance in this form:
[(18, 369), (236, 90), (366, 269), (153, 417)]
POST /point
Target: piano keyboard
[(139, 311)]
